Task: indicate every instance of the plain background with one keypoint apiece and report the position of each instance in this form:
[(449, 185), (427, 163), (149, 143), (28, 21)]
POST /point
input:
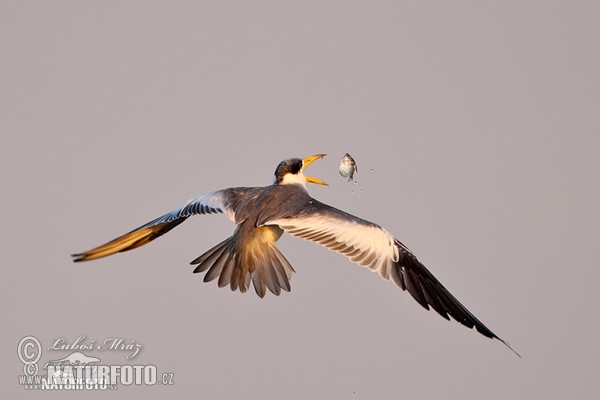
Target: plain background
[(475, 126)]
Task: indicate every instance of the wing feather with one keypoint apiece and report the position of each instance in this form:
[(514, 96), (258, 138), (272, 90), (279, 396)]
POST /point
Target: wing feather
[(363, 242), (212, 203), (371, 246)]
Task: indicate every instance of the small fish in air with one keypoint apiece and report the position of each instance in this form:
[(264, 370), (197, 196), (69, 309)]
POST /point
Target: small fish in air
[(348, 167)]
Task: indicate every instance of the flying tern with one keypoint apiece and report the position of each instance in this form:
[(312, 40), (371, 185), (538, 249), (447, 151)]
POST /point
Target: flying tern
[(263, 214)]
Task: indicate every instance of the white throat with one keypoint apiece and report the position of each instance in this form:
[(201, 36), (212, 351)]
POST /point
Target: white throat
[(289, 179)]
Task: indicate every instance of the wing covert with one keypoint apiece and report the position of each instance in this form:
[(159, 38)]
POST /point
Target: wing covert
[(363, 242)]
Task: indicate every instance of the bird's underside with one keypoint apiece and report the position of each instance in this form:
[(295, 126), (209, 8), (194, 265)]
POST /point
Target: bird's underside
[(262, 214)]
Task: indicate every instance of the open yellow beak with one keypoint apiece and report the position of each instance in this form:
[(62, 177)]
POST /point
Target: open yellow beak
[(307, 162)]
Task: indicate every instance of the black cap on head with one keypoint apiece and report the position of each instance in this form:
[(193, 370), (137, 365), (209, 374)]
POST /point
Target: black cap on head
[(292, 166)]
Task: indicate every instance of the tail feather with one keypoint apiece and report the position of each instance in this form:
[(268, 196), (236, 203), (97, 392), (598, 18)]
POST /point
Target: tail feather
[(272, 280), (283, 269), (260, 281), (200, 260), (218, 259), (263, 266)]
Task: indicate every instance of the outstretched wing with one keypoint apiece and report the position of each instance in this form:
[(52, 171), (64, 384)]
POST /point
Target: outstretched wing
[(222, 201), (370, 245)]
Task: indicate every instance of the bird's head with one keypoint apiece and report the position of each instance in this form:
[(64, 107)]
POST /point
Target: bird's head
[(291, 171)]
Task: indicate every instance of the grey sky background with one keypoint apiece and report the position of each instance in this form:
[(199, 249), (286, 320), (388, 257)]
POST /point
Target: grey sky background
[(476, 129)]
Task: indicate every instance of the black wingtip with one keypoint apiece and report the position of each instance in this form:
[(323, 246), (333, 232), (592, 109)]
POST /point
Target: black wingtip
[(509, 346)]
